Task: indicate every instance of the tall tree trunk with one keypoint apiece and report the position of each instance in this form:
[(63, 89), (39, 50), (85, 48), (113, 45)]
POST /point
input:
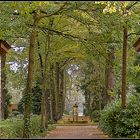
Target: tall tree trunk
[(44, 110), (40, 59), (110, 82), (28, 92), (65, 92), (3, 88), (57, 89), (87, 103), (124, 67), (44, 120), (61, 92), (54, 93), (51, 93), (51, 109), (100, 102), (0, 92)]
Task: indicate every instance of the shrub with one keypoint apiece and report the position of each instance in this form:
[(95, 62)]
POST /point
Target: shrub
[(15, 113), (118, 124), (8, 97), (36, 101), (95, 115), (13, 128), (66, 112)]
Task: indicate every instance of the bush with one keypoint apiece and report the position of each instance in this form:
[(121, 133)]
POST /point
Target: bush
[(8, 97), (120, 124), (36, 101), (66, 112), (15, 112), (13, 128), (95, 115)]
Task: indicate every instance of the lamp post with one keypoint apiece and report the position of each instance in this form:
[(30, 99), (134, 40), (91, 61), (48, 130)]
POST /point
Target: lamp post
[(4, 47)]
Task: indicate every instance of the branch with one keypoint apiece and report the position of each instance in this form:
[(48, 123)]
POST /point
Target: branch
[(128, 8), (70, 16), (49, 15), (40, 58), (69, 36), (65, 62), (138, 33)]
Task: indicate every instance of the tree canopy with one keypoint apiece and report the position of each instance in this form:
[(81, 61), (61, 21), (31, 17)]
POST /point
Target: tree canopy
[(51, 38)]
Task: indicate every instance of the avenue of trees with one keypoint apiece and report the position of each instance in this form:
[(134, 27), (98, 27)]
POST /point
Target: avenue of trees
[(48, 38)]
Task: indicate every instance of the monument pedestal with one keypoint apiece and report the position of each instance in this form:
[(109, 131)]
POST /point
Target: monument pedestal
[(75, 113)]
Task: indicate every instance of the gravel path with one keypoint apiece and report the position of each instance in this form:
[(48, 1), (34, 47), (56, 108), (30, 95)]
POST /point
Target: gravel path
[(76, 132)]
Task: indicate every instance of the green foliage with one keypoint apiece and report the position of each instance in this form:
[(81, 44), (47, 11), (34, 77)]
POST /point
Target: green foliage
[(13, 128), (96, 115), (7, 102), (136, 69), (14, 113), (66, 112), (120, 124), (82, 31), (20, 106), (36, 99)]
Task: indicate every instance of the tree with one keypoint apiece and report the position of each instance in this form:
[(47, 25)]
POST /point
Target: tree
[(89, 35), (36, 100)]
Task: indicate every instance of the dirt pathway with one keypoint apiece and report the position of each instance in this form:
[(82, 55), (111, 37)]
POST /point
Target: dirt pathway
[(76, 132)]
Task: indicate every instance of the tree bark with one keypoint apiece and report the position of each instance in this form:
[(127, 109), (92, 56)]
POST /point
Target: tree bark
[(65, 92), (44, 120), (40, 58), (61, 92), (28, 92), (57, 89), (0, 92), (65, 89), (109, 76), (44, 110), (124, 67), (3, 88), (51, 94), (54, 93)]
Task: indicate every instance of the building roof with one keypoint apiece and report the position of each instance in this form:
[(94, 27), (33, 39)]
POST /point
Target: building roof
[(5, 44), (136, 44)]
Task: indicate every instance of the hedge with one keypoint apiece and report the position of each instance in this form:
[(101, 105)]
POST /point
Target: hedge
[(118, 124), (13, 128)]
